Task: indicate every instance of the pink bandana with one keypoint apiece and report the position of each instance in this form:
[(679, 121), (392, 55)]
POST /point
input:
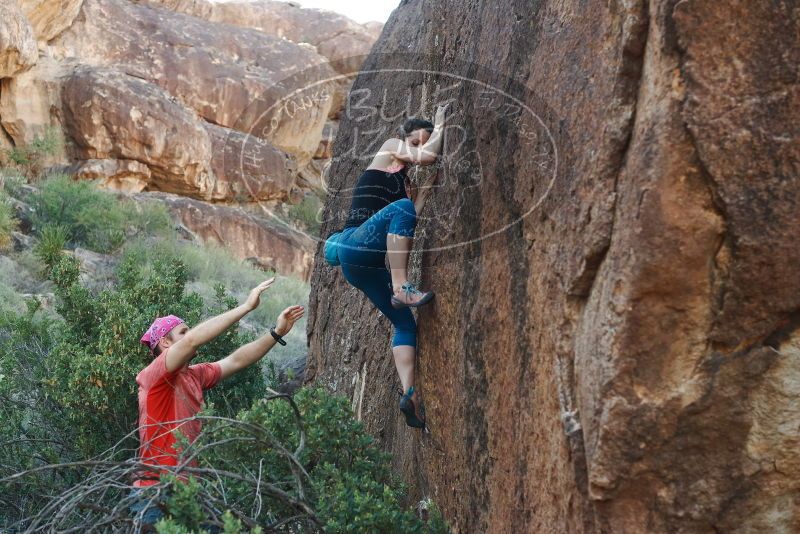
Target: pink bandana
[(160, 328)]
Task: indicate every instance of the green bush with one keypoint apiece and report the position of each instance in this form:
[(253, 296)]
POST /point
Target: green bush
[(67, 393), (306, 213), (94, 218), (351, 486), (32, 428), (52, 240), (31, 158), (8, 222)]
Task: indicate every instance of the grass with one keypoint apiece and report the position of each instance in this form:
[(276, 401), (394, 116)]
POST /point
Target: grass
[(8, 223), (306, 213), (93, 218)]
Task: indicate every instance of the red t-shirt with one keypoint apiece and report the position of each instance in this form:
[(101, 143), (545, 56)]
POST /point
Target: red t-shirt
[(164, 398)]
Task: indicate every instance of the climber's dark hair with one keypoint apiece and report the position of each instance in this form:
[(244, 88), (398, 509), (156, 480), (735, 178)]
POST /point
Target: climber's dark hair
[(413, 123)]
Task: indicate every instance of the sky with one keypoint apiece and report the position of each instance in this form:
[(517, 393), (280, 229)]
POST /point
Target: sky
[(358, 10)]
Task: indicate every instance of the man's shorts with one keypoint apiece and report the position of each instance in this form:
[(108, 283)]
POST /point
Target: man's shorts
[(145, 509)]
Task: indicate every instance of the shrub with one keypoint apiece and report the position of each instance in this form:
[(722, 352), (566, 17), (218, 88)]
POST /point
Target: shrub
[(31, 158), (32, 428), (93, 218), (52, 240), (350, 486), (8, 223), (306, 213)]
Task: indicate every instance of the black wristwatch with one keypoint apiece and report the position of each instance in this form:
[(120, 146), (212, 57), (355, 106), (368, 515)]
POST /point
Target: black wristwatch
[(277, 337)]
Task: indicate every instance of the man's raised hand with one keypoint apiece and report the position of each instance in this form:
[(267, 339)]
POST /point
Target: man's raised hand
[(254, 298), (287, 318)]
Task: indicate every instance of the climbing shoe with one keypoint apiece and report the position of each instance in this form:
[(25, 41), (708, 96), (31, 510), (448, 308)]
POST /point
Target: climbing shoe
[(409, 410), (410, 296)]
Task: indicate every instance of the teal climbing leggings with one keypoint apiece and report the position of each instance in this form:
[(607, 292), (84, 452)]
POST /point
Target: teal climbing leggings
[(362, 253)]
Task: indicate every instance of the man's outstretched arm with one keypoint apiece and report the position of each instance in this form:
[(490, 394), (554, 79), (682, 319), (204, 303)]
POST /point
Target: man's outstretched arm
[(247, 355), (184, 349)]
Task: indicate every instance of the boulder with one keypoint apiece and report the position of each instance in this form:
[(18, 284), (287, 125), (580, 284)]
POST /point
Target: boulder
[(18, 50), (266, 240), (234, 77), (110, 115), (132, 135), (22, 241), (326, 142), (125, 175), (24, 213), (50, 17), (341, 40), (97, 271), (31, 100), (249, 168), (614, 342)]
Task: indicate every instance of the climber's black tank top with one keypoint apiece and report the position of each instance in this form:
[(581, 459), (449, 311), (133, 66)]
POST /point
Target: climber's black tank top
[(374, 191)]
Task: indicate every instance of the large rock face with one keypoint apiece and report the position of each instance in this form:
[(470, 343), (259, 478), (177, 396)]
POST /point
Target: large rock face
[(614, 343), (342, 41), (233, 77), (17, 42), (29, 101), (113, 116), (50, 17)]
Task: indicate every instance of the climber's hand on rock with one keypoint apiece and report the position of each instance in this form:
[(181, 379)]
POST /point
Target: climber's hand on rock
[(287, 318), (254, 298), (440, 114)]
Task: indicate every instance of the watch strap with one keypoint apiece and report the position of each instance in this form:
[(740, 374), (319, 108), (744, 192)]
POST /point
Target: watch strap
[(276, 336)]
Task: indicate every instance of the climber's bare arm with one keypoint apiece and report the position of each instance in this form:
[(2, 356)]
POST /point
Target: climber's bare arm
[(247, 355), (427, 153), (397, 150), (184, 349), (421, 193)]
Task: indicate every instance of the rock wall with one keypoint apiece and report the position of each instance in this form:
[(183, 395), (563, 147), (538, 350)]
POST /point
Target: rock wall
[(342, 41), (17, 42), (208, 101), (614, 343)]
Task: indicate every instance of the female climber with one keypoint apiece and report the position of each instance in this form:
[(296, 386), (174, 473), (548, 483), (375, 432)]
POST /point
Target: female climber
[(380, 224)]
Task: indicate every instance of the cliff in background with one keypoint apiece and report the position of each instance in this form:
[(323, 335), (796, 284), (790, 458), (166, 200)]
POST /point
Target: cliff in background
[(223, 102), (614, 343)]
